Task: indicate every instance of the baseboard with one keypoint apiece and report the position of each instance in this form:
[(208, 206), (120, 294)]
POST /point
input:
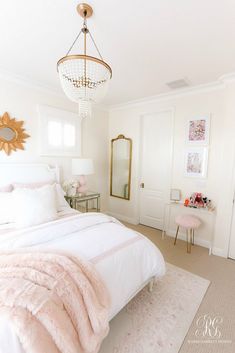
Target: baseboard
[(219, 252), (123, 218), (197, 241)]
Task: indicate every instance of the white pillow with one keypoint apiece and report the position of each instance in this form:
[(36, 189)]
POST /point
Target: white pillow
[(6, 204), (34, 206), (61, 202)]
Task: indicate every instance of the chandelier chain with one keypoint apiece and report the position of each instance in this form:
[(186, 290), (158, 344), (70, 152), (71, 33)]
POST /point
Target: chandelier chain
[(96, 46), (85, 23), (73, 43), (93, 41)]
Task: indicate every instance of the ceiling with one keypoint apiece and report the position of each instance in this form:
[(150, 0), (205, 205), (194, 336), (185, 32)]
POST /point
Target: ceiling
[(147, 43)]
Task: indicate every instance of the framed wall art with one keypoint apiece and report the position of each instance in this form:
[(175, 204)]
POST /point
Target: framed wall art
[(196, 159), (198, 131), (12, 134), (175, 195)]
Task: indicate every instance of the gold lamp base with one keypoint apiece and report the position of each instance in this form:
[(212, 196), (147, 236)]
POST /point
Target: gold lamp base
[(84, 10)]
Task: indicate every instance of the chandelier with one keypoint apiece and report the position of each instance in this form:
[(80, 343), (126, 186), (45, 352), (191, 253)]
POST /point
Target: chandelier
[(84, 78)]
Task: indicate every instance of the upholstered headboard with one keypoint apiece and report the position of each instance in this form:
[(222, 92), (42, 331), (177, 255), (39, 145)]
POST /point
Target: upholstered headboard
[(27, 173)]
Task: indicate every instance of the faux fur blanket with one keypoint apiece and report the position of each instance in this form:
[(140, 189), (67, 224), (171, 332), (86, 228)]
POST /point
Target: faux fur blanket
[(55, 302)]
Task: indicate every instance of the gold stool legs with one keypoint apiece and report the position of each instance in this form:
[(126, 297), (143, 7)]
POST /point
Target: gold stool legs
[(189, 238), (177, 231)]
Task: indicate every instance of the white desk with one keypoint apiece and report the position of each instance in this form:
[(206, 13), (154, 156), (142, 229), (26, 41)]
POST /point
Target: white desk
[(203, 235)]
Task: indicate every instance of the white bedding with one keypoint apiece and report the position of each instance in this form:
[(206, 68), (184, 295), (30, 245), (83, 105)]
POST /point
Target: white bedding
[(125, 259)]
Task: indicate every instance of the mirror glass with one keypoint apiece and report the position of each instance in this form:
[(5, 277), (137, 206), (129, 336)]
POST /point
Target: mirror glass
[(7, 134), (121, 167)]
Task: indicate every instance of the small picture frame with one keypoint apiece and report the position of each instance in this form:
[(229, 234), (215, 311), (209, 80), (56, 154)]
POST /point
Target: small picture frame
[(196, 159), (198, 131), (175, 195)]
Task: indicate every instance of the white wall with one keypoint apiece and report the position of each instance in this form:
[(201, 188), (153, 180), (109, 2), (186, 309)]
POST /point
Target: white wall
[(95, 145), (225, 170), (20, 100), (220, 103)]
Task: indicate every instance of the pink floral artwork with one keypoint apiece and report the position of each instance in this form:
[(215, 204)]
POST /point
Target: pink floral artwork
[(194, 163), (197, 130)]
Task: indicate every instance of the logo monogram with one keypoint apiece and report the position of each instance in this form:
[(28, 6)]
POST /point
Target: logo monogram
[(208, 326)]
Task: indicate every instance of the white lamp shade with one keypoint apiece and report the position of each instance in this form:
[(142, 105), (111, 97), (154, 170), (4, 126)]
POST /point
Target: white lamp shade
[(82, 166)]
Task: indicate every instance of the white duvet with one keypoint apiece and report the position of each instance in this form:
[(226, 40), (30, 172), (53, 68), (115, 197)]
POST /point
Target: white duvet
[(125, 259)]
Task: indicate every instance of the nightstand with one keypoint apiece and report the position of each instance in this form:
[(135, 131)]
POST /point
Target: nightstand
[(81, 202)]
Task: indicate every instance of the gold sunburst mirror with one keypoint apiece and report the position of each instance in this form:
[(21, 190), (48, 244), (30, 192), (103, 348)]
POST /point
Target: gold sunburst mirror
[(12, 134)]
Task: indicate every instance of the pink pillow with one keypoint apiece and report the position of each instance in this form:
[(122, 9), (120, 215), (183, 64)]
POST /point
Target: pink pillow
[(32, 185), (6, 188)]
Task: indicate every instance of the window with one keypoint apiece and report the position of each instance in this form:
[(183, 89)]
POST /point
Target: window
[(69, 135), (60, 132), (54, 131)]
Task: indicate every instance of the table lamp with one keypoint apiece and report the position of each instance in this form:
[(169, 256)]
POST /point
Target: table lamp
[(82, 167)]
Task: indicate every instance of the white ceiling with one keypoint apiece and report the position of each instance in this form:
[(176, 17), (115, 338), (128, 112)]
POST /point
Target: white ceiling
[(147, 43)]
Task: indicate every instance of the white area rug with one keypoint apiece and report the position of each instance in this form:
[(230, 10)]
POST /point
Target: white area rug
[(158, 321)]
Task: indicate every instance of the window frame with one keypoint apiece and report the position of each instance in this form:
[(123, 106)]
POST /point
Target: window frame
[(49, 114)]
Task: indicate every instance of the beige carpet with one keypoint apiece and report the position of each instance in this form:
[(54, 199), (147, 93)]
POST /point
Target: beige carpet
[(220, 296), (157, 322)]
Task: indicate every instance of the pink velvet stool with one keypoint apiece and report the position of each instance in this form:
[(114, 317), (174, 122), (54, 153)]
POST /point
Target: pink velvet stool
[(189, 223)]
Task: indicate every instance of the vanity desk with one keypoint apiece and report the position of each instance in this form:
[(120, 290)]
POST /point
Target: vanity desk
[(203, 235)]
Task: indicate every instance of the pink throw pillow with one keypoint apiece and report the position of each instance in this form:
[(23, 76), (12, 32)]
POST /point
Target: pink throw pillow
[(6, 188), (32, 185)]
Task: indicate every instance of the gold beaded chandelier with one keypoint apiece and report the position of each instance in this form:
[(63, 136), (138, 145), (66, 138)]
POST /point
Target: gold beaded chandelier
[(84, 78)]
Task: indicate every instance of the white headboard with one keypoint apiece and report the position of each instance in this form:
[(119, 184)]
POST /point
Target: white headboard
[(27, 173)]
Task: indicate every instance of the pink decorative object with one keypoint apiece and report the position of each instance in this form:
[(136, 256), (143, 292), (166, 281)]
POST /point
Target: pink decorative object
[(82, 167), (6, 188), (55, 302), (187, 221), (32, 185), (198, 200), (82, 188)]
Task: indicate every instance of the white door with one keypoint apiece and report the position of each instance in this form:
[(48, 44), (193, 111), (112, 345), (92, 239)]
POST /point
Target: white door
[(156, 163)]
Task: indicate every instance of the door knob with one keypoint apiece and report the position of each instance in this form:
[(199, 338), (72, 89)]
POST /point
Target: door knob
[(142, 185)]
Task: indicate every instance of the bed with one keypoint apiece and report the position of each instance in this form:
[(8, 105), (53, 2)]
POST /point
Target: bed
[(126, 260)]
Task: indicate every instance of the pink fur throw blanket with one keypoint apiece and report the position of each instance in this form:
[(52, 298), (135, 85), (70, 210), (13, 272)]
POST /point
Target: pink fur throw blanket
[(56, 303)]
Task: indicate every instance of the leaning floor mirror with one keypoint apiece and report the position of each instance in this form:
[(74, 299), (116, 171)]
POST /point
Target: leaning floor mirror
[(120, 178)]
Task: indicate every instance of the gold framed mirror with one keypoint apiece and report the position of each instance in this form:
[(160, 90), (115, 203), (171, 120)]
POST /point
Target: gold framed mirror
[(120, 174), (12, 134)]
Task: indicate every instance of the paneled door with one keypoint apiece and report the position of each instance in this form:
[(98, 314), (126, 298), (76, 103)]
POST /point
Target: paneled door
[(156, 165)]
